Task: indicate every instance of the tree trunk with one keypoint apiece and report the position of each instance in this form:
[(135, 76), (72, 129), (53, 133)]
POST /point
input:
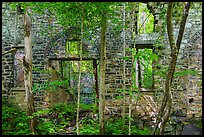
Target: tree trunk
[(102, 73), (134, 30), (79, 80), (123, 76), (174, 55), (167, 101), (27, 63), (95, 71)]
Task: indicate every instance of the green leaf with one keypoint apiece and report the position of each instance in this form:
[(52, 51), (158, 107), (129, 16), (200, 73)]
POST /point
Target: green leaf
[(119, 97), (128, 49), (126, 58), (13, 5)]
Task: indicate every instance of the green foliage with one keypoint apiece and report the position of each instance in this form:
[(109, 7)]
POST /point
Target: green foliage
[(86, 106), (185, 72), (90, 126), (86, 66), (14, 5), (73, 48), (55, 119), (50, 85), (36, 69), (144, 131), (177, 12), (14, 121), (147, 23), (162, 72), (120, 127), (70, 13), (22, 5), (116, 127), (146, 58), (199, 124), (46, 128), (126, 58)]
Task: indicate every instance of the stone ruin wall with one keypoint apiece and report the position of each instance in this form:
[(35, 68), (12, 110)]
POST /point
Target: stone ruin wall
[(188, 87), (12, 36), (184, 88)]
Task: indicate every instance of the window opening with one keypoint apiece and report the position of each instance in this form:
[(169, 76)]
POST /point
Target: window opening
[(18, 69), (68, 67), (72, 48), (143, 69), (145, 20), (89, 85)]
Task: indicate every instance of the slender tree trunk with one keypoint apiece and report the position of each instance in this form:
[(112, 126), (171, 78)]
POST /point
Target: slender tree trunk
[(95, 71), (134, 30), (124, 44), (27, 63), (79, 80), (167, 101), (171, 68), (174, 55), (102, 73)]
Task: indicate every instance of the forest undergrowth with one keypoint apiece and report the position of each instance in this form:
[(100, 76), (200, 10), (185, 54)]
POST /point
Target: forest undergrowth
[(60, 120)]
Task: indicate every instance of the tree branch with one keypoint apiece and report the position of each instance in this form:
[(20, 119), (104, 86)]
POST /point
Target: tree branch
[(6, 52), (172, 45), (170, 25), (174, 55), (182, 25)]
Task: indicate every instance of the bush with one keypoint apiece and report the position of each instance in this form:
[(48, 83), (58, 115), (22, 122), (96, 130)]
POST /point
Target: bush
[(55, 119), (14, 121), (90, 126), (120, 127)]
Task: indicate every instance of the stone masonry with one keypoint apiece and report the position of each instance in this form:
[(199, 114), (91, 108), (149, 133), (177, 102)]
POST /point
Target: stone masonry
[(186, 90)]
